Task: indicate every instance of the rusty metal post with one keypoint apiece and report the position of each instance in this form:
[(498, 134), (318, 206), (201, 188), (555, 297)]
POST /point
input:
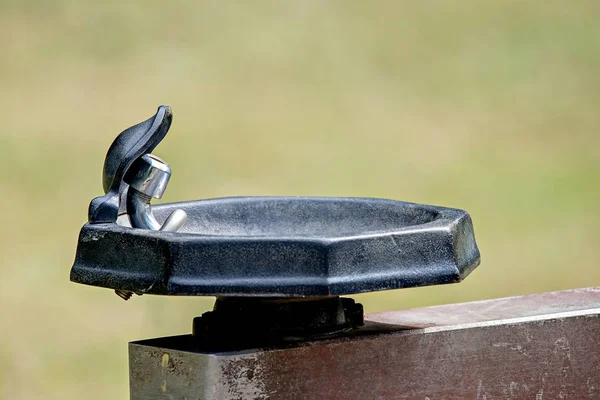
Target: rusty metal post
[(535, 347)]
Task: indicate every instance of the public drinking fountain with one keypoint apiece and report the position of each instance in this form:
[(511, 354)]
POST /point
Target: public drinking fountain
[(278, 266)]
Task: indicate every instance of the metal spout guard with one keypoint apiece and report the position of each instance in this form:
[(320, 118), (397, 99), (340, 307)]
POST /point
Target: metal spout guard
[(264, 246), (129, 146)]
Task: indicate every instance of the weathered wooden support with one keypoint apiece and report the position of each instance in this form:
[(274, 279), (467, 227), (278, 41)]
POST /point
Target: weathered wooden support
[(544, 346)]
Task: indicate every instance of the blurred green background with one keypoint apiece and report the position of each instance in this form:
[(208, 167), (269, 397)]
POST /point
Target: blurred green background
[(488, 106)]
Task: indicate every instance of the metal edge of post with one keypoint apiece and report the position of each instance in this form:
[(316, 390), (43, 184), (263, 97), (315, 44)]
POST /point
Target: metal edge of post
[(544, 345)]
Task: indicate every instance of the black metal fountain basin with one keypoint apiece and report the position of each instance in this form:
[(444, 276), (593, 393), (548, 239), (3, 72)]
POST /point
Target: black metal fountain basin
[(277, 265), (281, 246)]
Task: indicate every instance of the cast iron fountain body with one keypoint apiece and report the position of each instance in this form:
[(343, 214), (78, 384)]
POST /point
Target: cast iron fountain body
[(277, 265)]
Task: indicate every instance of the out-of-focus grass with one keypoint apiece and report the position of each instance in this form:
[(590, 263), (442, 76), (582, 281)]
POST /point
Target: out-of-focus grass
[(487, 106)]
